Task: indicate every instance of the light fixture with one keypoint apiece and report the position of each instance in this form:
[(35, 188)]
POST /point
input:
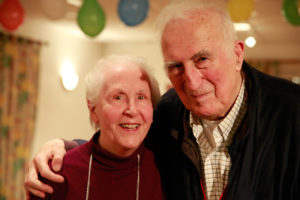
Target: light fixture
[(76, 3), (68, 75), (296, 79), (250, 41), (242, 26)]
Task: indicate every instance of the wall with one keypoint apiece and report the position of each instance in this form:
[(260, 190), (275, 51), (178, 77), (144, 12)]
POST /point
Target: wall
[(60, 113), (147, 49)]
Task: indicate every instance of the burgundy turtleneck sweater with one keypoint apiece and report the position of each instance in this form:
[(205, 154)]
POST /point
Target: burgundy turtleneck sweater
[(111, 177)]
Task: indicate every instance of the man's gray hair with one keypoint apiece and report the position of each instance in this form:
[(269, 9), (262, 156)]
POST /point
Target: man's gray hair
[(94, 79), (183, 9)]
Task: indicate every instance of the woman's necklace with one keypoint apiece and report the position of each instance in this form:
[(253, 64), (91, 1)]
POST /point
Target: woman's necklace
[(89, 178)]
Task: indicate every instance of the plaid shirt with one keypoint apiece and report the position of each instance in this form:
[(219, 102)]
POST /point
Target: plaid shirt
[(213, 138)]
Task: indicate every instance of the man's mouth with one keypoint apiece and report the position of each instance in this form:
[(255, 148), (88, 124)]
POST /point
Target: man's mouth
[(199, 95)]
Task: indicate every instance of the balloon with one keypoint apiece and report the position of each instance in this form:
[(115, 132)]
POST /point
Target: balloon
[(91, 18), (54, 9), (133, 12), (11, 14), (290, 11), (240, 10)]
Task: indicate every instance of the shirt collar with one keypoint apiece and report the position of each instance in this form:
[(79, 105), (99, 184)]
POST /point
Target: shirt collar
[(226, 124)]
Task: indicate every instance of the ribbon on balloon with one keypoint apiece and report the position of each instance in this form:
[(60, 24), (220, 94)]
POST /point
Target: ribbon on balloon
[(291, 9), (11, 14), (91, 18), (133, 12), (240, 10)]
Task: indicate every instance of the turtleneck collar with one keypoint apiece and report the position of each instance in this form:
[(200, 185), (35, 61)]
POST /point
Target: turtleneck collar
[(110, 161)]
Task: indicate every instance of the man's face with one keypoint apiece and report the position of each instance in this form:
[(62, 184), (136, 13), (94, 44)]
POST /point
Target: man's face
[(203, 67), (124, 110)]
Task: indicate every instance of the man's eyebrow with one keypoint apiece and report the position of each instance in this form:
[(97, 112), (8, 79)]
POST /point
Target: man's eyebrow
[(194, 57), (199, 54), (169, 63)]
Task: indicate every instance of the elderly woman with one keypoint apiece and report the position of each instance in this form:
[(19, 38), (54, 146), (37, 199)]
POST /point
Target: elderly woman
[(114, 164)]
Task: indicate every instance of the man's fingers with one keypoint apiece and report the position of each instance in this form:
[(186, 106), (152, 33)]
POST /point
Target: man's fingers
[(53, 149), (39, 189), (35, 193), (50, 175), (33, 184), (57, 161), (45, 171)]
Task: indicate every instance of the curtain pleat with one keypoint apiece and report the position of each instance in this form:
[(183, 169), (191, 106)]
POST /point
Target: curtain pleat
[(19, 70)]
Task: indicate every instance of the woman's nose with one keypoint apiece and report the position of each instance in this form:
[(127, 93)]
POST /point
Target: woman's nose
[(131, 109)]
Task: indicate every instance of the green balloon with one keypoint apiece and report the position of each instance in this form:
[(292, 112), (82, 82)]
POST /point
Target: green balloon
[(290, 11), (91, 18)]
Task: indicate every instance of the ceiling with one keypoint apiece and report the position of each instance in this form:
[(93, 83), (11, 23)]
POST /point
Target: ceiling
[(267, 21)]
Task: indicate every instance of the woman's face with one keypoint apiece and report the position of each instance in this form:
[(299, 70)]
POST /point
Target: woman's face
[(124, 110)]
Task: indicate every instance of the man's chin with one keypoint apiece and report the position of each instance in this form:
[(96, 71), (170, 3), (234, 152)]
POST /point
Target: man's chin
[(204, 113)]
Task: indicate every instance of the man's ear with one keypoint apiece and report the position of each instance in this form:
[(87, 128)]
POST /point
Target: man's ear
[(239, 53)]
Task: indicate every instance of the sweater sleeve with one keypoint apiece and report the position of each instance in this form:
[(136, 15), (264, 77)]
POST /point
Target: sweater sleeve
[(70, 144)]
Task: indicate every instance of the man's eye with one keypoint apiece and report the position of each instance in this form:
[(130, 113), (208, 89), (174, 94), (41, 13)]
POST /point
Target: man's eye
[(201, 59), (201, 62), (118, 97), (175, 69), (173, 66)]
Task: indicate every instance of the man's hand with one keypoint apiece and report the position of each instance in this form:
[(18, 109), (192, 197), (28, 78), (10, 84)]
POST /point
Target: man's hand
[(52, 150)]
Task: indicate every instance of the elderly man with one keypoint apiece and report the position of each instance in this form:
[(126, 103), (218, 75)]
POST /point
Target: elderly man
[(226, 130)]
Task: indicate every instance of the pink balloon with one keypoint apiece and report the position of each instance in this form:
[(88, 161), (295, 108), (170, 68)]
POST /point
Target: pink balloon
[(11, 14), (54, 9)]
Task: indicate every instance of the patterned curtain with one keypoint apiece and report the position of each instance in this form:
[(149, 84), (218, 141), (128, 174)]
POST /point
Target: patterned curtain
[(19, 69)]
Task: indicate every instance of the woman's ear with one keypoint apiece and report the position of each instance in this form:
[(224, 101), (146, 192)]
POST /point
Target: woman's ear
[(239, 53), (93, 115)]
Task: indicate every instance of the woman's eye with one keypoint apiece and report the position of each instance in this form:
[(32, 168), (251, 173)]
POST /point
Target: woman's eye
[(141, 97)]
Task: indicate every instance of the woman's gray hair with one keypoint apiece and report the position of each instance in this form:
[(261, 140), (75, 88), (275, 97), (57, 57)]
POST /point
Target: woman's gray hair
[(183, 9), (94, 79)]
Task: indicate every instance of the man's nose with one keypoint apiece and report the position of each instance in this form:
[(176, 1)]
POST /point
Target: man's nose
[(192, 76)]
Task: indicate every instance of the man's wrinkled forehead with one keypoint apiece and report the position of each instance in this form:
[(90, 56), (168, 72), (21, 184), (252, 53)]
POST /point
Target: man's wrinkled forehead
[(195, 16)]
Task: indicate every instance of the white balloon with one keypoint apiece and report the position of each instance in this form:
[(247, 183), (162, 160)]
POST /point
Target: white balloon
[(54, 9)]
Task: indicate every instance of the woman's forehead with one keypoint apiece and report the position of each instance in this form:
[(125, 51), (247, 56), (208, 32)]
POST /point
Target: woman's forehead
[(121, 78)]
